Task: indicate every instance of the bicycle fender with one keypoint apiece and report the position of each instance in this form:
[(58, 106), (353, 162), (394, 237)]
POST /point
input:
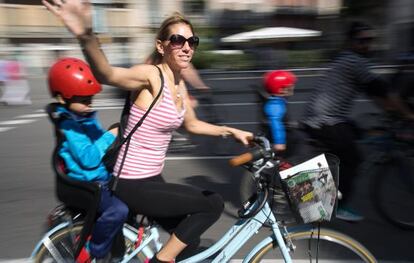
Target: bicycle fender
[(46, 237)]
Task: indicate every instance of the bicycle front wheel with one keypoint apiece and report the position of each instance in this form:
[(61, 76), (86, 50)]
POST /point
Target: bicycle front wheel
[(60, 248), (329, 246), (394, 192)]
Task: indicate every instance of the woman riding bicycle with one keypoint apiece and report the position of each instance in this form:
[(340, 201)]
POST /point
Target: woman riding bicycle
[(186, 212)]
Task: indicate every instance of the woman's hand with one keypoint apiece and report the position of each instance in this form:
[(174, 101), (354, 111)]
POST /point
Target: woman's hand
[(75, 14), (240, 135)]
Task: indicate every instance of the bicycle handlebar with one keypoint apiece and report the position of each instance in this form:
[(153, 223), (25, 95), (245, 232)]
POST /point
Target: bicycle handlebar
[(263, 150)]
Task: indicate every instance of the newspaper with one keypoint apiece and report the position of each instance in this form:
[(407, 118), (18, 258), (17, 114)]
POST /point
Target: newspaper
[(311, 189)]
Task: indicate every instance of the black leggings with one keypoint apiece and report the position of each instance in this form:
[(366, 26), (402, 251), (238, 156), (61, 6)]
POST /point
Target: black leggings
[(183, 210)]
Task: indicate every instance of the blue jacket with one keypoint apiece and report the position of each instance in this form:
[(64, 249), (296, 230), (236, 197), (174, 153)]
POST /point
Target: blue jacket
[(275, 109), (84, 146)]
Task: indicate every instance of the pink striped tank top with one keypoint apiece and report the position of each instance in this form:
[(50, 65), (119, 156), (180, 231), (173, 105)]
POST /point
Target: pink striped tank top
[(149, 143)]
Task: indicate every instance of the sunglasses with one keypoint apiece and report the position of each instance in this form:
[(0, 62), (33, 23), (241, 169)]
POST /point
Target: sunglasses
[(86, 100), (178, 41)]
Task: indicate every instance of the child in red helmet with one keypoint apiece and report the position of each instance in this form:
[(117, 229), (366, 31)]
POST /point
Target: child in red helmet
[(279, 84), (73, 85)]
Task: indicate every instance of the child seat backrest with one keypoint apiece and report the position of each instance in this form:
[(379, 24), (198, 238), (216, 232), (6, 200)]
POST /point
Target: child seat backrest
[(76, 195)]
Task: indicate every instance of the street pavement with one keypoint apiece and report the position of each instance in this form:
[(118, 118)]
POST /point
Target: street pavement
[(27, 187)]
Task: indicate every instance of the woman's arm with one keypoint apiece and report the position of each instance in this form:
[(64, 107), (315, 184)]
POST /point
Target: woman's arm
[(77, 17), (196, 126)]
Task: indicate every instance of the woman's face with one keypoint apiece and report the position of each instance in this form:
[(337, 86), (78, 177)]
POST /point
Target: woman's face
[(179, 46)]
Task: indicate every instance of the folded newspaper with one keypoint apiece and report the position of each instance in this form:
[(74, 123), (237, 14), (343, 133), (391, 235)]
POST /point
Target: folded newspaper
[(311, 189)]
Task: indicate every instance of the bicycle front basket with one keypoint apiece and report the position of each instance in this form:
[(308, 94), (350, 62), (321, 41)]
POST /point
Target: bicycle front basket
[(311, 188)]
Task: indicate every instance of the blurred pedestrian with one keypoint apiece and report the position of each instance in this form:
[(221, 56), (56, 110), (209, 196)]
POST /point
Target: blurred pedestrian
[(327, 115), (16, 89)]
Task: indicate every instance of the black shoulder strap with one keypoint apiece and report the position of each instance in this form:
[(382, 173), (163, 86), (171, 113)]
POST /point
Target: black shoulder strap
[(127, 139), (139, 123)]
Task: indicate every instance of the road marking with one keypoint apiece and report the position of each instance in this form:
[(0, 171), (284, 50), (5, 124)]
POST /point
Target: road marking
[(34, 115), (22, 119), (3, 129), (116, 104), (14, 122)]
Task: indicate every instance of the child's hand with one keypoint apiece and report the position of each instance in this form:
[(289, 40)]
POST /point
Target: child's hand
[(114, 131), (279, 147), (114, 128)]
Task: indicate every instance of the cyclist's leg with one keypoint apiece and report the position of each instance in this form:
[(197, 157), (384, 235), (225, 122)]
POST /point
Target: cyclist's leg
[(340, 140), (153, 197), (170, 224), (112, 214)]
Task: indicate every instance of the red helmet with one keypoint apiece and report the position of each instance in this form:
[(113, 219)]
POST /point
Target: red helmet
[(72, 77), (277, 80)]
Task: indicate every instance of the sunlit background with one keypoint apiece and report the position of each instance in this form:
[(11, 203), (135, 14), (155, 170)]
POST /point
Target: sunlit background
[(33, 36)]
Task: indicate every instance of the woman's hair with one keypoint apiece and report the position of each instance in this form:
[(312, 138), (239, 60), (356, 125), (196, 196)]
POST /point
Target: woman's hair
[(164, 32)]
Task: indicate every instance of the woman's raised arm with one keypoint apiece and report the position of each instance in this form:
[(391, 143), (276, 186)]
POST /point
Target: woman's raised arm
[(76, 15)]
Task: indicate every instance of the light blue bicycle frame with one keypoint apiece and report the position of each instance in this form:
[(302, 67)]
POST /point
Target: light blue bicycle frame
[(229, 244)]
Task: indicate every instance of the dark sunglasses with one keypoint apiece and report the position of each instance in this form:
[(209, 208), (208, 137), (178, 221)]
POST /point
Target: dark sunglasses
[(86, 100), (178, 41)]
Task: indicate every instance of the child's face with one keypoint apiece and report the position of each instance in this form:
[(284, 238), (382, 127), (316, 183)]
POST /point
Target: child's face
[(80, 104), (288, 91)]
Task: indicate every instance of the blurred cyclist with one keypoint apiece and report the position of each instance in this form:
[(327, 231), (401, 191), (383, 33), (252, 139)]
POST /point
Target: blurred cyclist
[(279, 84), (327, 114)]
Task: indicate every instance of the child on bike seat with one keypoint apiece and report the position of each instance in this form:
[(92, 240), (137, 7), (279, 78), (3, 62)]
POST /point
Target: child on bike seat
[(73, 85), (279, 84)]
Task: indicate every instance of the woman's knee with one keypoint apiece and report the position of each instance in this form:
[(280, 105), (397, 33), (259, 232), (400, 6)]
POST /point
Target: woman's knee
[(216, 203)]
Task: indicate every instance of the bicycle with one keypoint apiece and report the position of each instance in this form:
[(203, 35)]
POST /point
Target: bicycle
[(300, 147), (302, 241), (390, 163)]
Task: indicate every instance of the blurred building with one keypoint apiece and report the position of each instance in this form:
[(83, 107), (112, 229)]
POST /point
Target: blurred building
[(126, 27)]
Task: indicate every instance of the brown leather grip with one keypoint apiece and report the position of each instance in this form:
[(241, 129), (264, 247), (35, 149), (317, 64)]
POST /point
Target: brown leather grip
[(241, 159)]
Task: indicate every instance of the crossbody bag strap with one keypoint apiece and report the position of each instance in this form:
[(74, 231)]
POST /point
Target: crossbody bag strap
[(127, 139)]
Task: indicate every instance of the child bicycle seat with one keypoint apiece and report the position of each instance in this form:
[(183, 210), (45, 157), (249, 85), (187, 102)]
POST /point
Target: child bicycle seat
[(77, 195)]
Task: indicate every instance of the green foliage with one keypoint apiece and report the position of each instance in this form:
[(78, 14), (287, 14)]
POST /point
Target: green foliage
[(205, 58), (209, 60), (306, 58)]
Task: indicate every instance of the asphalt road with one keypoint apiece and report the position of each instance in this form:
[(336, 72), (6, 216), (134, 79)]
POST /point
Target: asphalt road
[(27, 183)]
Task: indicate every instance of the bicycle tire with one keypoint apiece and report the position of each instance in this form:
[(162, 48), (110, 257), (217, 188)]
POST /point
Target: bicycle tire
[(62, 241), (332, 245), (394, 192)]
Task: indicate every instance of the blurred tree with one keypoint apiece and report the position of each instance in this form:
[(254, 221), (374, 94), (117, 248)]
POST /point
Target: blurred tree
[(373, 10)]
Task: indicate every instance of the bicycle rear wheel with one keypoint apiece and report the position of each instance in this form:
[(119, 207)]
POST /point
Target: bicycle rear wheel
[(332, 246), (60, 247), (394, 192)]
